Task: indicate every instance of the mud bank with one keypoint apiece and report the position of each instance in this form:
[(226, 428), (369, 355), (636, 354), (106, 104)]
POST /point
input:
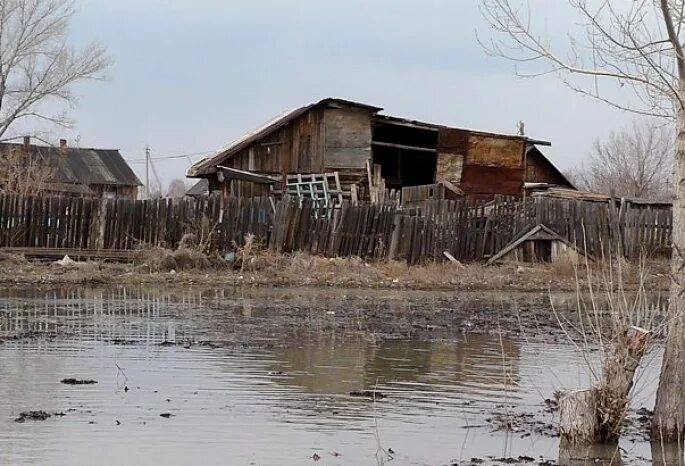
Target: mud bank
[(303, 270)]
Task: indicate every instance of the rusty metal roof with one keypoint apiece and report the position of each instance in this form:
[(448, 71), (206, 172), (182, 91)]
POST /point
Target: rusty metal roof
[(423, 124), (208, 164), (83, 166)]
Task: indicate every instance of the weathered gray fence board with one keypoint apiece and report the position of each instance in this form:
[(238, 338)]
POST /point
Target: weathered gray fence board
[(470, 230)]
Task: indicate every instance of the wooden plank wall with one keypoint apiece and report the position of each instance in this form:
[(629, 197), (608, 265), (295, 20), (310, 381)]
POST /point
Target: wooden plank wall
[(471, 230)]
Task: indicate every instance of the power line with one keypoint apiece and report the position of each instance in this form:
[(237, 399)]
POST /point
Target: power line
[(167, 157)]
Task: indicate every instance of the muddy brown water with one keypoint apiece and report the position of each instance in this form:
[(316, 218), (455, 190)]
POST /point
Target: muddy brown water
[(264, 378)]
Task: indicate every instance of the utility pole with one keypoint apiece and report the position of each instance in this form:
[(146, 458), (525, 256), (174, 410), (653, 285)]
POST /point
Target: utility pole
[(147, 172)]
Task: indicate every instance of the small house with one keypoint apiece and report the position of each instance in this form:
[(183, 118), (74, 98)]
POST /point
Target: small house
[(363, 147), (75, 171)]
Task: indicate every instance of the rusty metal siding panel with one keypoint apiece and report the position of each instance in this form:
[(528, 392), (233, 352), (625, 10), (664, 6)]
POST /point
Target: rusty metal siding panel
[(495, 152), (492, 180), (453, 140)]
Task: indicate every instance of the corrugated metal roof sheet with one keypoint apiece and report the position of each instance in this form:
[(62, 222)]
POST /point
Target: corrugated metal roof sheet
[(208, 164), (84, 166)]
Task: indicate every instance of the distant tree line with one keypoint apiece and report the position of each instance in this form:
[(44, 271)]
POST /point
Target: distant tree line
[(632, 162)]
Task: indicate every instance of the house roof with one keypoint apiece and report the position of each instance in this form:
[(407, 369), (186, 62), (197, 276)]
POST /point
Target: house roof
[(83, 166), (200, 188), (209, 164), (551, 166), (423, 124)]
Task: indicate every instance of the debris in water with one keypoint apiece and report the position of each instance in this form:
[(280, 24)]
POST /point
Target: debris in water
[(552, 404), (368, 394), (166, 415), (316, 457), (72, 381), (33, 416), (644, 412)]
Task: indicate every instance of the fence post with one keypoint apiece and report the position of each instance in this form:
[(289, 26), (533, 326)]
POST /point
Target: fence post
[(101, 225), (395, 237)]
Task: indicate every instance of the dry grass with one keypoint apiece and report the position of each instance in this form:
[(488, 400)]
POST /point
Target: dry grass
[(8, 260), (255, 266), (166, 260)]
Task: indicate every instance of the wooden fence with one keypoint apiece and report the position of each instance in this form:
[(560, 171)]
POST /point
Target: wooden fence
[(78, 223), (470, 230)]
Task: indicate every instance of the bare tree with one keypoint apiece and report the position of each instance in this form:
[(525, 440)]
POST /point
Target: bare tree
[(630, 55), (633, 162), (37, 66), (177, 188), (24, 174)]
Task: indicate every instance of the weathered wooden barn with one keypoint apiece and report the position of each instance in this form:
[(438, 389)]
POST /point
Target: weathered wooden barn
[(361, 145), (72, 171)]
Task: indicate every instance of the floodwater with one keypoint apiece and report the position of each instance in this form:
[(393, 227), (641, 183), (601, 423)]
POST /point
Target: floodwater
[(264, 378)]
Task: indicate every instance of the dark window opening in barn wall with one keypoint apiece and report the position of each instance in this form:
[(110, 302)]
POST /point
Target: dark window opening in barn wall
[(407, 153)]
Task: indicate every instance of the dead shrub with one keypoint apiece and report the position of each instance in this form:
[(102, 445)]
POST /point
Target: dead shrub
[(165, 260), (565, 266), (199, 236), (28, 175), (247, 256), (12, 259), (617, 323)]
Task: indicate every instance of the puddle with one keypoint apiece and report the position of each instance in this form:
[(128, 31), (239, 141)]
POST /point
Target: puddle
[(265, 378)]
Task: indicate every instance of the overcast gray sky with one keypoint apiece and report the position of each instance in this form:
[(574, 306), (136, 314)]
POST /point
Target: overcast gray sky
[(191, 75)]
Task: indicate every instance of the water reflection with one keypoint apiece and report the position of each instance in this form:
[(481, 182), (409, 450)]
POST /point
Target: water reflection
[(583, 455), (264, 377), (667, 455), (322, 368)]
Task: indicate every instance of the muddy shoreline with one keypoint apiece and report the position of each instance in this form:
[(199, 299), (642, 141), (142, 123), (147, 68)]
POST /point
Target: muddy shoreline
[(300, 270), (238, 316)]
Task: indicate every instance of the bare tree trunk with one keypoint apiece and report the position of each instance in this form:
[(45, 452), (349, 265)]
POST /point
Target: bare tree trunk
[(578, 417), (617, 380), (669, 412), (595, 415)]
